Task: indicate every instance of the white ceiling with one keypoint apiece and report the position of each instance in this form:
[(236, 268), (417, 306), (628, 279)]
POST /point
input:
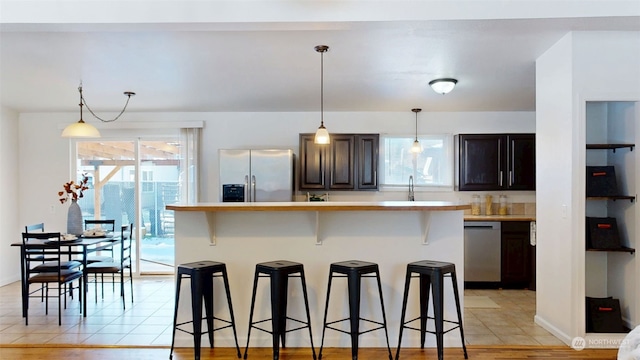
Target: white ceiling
[(246, 66)]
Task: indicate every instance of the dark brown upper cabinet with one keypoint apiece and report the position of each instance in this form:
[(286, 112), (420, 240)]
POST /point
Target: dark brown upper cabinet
[(496, 162), (349, 162)]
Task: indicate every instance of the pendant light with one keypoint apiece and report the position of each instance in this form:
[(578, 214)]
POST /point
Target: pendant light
[(82, 129), (322, 135), (416, 147)]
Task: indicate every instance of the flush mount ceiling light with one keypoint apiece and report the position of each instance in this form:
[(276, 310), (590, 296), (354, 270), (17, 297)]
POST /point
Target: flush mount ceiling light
[(443, 86), (416, 147), (322, 135), (82, 129)]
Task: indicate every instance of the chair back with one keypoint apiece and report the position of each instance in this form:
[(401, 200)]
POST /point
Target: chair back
[(125, 245), (44, 248), (34, 228), (104, 224)]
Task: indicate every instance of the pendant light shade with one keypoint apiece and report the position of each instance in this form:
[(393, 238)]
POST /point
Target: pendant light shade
[(416, 147), (443, 86), (82, 129), (322, 135)]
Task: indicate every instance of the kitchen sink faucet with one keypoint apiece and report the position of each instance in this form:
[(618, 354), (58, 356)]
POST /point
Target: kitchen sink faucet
[(411, 194)]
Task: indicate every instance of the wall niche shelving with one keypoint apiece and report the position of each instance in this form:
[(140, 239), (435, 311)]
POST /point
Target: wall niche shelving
[(610, 141)]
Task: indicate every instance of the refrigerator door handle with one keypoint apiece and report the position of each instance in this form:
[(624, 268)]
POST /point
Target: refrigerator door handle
[(253, 188), (246, 188)]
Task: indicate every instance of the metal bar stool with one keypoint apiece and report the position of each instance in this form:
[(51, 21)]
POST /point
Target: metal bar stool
[(431, 274), (202, 274), (279, 273), (354, 271)]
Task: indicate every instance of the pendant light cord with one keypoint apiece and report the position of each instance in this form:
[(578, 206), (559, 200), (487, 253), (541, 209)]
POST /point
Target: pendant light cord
[(322, 88), (83, 101), (416, 126), (416, 111)]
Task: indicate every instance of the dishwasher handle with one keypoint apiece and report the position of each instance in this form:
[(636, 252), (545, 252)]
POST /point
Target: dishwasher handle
[(482, 225)]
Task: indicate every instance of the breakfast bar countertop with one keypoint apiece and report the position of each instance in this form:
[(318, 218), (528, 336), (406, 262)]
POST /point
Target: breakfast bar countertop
[(322, 206)]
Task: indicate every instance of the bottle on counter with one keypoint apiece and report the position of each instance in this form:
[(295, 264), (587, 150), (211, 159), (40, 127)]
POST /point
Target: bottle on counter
[(475, 205), (488, 205), (504, 205)]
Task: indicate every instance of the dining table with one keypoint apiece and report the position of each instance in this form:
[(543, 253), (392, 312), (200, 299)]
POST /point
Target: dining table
[(77, 249)]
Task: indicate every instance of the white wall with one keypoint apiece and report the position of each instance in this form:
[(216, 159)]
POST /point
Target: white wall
[(44, 155), (553, 195), (10, 185), (580, 67)]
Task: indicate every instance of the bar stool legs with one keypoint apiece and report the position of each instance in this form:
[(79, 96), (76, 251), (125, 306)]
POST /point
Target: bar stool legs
[(354, 271), (431, 274), (202, 274), (279, 273)]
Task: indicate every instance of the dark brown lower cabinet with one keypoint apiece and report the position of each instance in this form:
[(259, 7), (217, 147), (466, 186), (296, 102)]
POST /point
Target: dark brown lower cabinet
[(517, 267)]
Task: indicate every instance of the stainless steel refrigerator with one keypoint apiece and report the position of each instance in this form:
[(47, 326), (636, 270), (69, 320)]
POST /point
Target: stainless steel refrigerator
[(256, 175)]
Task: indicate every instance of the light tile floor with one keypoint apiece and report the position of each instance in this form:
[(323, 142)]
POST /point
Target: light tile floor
[(148, 321), (510, 324)]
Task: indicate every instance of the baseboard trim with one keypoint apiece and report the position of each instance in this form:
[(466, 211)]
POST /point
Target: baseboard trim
[(565, 338)]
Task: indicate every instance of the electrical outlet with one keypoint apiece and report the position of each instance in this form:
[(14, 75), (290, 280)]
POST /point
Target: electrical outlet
[(52, 209)]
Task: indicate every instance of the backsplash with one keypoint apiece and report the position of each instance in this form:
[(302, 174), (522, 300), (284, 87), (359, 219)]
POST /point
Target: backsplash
[(517, 208)]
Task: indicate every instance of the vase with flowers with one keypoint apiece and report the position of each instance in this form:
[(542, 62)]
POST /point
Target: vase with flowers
[(72, 192)]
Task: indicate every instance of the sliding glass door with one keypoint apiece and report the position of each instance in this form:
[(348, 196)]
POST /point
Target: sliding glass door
[(132, 181), (160, 169)]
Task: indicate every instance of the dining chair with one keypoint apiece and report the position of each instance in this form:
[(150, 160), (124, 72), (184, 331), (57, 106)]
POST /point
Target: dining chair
[(45, 266), (47, 246), (116, 267), (108, 225)]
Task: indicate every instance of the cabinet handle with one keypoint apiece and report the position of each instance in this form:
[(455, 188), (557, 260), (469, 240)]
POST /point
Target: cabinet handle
[(510, 178), (246, 188), (501, 177), (253, 188)]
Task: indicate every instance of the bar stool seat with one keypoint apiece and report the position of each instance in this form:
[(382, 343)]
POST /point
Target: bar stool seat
[(354, 271), (431, 274), (279, 273), (202, 274)]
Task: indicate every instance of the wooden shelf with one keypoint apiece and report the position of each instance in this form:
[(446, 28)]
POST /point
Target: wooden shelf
[(609, 146), (614, 198), (621, 249)]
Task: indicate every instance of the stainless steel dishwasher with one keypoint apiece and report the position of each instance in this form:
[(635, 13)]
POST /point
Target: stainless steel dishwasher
[(482, 251)]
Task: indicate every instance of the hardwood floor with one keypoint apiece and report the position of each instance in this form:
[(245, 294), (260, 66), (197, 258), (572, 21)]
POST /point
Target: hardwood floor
[(137, 353)]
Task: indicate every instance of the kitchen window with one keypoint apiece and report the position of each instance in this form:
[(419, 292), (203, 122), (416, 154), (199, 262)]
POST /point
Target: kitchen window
[(432, 168)]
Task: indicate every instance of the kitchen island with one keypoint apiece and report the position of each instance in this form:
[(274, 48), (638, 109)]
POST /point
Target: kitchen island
[(390, 233)]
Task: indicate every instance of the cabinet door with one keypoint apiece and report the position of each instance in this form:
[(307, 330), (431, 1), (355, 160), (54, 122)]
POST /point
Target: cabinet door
[(312, 163), (341, 162), (522, 162), (367, 161), (482, 160), (516, 254)]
